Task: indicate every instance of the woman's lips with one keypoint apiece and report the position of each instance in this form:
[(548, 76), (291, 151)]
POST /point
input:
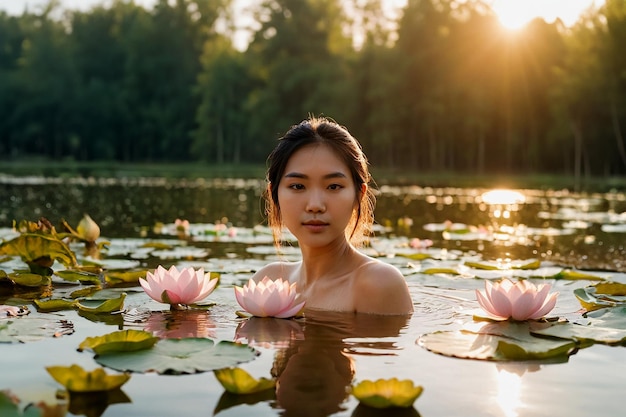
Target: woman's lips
[(315, 225)]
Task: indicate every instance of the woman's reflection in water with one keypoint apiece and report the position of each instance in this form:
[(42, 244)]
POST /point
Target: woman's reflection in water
[(315, 371)]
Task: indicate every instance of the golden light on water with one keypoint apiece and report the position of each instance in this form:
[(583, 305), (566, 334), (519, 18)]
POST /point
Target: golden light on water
[(509, 392), (503, 196)]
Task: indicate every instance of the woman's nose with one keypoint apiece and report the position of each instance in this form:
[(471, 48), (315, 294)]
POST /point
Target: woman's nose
[(315, 202)]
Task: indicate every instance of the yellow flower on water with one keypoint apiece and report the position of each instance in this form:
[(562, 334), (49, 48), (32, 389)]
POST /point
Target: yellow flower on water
[(75, 379), (384, 393), (88, 229), (238, 381)]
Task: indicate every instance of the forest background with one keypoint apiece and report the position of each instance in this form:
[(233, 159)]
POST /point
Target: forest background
[(444, 88)]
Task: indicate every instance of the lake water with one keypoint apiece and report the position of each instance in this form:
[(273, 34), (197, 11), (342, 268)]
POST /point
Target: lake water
[(319, 357)]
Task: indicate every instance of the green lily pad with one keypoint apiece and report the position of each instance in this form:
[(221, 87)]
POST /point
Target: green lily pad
[(78, 276), (31, 246), (59, 304), (102, 306), (577, 275), (180, 356), (120, 341), (26, 279), (493, 265), (601, 295), (128, 277), (607, 326), (28, 329), (238, 381), (75, 379), (499, 341)]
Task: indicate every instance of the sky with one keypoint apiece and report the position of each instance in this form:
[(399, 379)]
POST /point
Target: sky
[(512, 13)]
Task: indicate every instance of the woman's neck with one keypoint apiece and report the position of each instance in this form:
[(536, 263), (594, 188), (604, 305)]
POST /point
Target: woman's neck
[(327, 262)]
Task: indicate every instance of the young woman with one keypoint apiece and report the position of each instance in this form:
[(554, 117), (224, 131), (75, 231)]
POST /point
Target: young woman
[(318, 188)]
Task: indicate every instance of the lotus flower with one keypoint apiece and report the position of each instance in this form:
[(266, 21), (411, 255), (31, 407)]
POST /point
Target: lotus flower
[(519, 301), (268, 298), (178, 287)]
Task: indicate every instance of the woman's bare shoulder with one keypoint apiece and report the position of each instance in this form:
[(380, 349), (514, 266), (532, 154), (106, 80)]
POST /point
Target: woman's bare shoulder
[(380, 288), (276, 270)]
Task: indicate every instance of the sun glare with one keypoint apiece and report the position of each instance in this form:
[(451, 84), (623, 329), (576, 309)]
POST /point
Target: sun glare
[(515, 14)]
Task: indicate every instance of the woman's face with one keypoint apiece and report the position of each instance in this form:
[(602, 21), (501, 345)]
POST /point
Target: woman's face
[(316, 195)]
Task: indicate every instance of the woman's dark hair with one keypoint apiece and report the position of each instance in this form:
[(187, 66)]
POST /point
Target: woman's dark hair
[(319, 130)]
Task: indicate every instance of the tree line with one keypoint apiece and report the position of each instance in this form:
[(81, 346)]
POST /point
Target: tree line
[(441, 88)]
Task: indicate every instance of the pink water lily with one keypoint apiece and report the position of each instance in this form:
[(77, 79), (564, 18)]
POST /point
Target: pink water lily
[(172, 286), (268, 298), (519, 301)]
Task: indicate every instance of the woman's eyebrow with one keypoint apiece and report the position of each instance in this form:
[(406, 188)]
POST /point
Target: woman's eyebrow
[(304, 176)]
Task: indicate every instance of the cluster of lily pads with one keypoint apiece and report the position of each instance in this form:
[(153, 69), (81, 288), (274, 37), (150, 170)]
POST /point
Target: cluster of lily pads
[(40, 246), (511, 327)]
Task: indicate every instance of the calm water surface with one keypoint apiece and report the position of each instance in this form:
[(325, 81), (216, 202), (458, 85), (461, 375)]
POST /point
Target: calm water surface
[(317, 358)]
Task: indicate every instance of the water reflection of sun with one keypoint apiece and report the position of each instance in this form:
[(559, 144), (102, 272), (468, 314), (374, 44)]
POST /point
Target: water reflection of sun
[(509, 392)]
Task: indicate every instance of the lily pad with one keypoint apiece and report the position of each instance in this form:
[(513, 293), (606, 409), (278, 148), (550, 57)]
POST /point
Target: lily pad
[(601, 295), (102, 306), (32, 246), (496, 265), (78, 276), (26, 279), (499, 341), (28, 329), (120, 341), (238, 381), (59, 304), (180, 356), (607, 326), (75, 379)]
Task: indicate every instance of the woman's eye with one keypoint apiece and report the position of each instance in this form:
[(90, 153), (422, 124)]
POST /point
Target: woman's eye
[(296, 186), (335, 187)]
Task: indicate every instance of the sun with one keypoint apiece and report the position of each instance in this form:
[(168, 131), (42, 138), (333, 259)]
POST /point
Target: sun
[(515, 14)]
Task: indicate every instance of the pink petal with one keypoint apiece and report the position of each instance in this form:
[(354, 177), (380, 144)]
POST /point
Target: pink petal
[(485, 304), (524, 306), (547, 306), (501, 304), (291, 311)]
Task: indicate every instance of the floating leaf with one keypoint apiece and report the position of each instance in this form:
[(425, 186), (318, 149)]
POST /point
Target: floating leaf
[(31, 247), (75, 379), (577, 275), (120, 341), (607, 326), (180, 356), (28, 279), (501, 341), (28, 329), (433, 271), (498, 265), (601, 295), (385, 393), (238, 381), (48, 306), (100, 306), (129, 277), (74, 275)]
